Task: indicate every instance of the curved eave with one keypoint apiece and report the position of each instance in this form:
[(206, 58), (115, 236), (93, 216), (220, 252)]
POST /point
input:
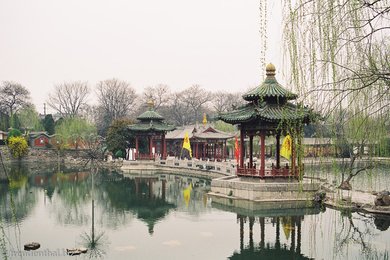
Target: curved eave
[(151, 128), (267, 112), (213, 136), (284, 113), (240, 115)]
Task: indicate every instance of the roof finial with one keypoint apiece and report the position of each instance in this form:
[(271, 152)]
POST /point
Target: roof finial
[(150, 104), (204, 121), (270, 70)]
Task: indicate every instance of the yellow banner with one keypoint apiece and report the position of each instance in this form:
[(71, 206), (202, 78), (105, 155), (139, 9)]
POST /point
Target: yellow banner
[(186, 144), (286, 148)]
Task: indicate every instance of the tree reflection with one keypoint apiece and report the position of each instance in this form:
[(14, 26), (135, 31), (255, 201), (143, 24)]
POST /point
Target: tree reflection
[(358, 229), (16, 199), (16, 202), (96, 243)]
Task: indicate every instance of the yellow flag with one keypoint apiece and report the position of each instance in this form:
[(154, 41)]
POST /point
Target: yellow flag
[(187, 194), (286, 149), (204, 119), (287, 226), (186, 144)]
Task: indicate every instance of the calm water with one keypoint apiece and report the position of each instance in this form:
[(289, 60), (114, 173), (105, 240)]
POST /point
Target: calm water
[(376, 179), (162, 216)]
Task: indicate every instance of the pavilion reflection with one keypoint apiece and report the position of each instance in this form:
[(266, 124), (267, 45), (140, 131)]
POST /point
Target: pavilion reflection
[(144, 196), (271, 224)]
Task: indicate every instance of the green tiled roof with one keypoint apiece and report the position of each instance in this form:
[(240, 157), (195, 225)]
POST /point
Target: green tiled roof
[(269, 89), (150, 121), (151, 126), (267, 112), (150, 115)]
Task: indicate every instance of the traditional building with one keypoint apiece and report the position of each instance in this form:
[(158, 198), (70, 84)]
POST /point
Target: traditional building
[(269, 112), (152, 127), (39, 139), (206, 142), (3, 137)]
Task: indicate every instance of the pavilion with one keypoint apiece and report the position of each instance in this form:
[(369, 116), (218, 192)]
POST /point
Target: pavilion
[(151, 126), (206, 141), (269, 112)]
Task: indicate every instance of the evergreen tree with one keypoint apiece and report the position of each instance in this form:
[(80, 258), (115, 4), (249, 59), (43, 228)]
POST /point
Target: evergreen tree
[(48, 124)]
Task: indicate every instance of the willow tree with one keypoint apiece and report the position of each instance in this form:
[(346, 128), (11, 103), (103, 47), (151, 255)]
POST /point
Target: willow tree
[(339, 60)]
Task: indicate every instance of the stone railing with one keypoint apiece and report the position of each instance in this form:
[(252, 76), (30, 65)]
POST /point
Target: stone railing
[(225, 168)]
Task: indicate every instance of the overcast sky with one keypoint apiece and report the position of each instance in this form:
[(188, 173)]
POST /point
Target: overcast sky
[(213, 43)]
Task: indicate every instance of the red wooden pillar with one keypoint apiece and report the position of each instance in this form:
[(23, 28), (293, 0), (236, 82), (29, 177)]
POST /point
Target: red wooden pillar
[(250, 151), (196, 150), (277, 151), (242, 149), (164, 147), (224, 150), (136, 147), (204, 150), (262, 152), (150, 147)]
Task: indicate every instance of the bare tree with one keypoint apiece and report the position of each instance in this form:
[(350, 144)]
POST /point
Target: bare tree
[(177, 110), (159, 94), (196, 97), (69, 98), (223, 101), (116, 99), (13, 96)]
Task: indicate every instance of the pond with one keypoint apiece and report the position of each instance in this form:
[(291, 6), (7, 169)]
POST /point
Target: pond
[(375, 179), (166, 216)]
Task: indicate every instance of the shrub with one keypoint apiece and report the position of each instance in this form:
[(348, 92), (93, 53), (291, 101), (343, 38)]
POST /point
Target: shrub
[(18, 146)]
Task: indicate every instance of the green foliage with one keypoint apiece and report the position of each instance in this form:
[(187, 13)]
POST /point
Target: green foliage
[(13, 133), (18, 146), (118, 136), (383, 147), (48, 124), (225, 127), (73, 132), (29, 119), (119, 154), (14, 121)]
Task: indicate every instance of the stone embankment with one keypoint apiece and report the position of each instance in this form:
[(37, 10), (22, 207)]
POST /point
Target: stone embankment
[(354, 200), (69, 157)]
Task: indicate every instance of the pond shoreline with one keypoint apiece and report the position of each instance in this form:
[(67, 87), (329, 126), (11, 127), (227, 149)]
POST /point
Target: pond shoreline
[(354, 200)]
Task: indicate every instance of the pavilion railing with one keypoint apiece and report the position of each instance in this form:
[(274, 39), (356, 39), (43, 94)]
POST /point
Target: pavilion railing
[(268, 172), (140, 156)]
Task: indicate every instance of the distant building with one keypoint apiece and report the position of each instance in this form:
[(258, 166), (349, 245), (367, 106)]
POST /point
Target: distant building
[(206, 142), (3, 137)]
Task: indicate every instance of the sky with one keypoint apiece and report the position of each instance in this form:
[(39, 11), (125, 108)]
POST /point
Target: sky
[(213, 43)]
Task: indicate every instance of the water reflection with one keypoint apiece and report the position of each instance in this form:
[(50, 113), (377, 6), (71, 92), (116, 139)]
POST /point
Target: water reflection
[(382, 222), (122, 216), (95, 242), (286, 222), (17, 198)]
